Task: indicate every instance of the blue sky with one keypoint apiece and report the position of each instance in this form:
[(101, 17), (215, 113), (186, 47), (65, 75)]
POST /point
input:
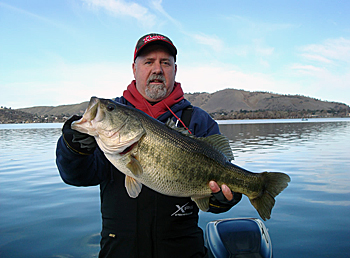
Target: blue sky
[(60, 52)]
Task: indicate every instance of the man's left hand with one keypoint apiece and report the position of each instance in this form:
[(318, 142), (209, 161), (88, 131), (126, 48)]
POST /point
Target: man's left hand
[(223, 198), (214, 187)]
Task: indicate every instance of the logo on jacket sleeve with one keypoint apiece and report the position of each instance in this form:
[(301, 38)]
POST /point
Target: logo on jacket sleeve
[(184, 210)]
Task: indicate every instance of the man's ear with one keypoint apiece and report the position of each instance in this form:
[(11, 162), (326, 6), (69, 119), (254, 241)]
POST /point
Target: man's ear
[(133, 69), (175, 68)]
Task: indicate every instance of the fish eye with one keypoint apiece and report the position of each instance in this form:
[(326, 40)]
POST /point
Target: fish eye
[(111, 107)]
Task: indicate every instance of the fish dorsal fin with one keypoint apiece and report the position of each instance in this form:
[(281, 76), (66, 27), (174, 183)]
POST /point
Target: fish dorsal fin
[(219, 142), (133, 187)]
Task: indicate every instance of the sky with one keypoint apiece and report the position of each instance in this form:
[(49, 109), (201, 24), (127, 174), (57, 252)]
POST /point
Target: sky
[(60, 52)]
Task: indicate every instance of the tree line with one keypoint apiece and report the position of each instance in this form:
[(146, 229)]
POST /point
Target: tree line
[(274, 114)]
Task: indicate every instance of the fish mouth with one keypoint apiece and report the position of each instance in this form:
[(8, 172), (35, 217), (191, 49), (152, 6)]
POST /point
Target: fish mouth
[(86, 122), (92, 111), (95, 114)]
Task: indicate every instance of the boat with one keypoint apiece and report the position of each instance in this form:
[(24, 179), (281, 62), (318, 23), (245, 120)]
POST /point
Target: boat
[(238, 238)]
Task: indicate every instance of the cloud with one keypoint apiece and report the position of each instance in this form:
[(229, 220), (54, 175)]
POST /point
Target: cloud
[(213, 77), (312, 81), (157, 5), (262, 50), (326, 68), (307, 69), (330, 51), (315, 57), (65, 83), (120, 8), (211, 41), (251, 28), (37, 17)]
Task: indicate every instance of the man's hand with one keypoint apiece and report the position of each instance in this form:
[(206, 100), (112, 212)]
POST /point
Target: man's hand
[(77, 142), (223, 198), (214, 187)]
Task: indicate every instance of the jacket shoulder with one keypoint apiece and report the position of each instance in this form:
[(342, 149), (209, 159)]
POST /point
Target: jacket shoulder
[(202, 123)]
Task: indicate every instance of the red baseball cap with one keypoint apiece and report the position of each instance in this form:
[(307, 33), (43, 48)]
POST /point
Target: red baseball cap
[(153, 38)]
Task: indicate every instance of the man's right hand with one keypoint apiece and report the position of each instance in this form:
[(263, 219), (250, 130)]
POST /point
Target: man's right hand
[(77, 142)]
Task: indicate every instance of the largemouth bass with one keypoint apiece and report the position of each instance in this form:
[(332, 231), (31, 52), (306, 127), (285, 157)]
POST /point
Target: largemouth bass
[(151, 153)]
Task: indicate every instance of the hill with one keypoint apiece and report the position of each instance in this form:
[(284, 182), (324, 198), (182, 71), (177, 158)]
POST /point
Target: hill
[(63, 110), (240, 104), (226, 104), (11, 116), (236, 100)]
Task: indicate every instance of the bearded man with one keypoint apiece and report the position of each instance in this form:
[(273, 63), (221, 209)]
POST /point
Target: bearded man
[(153, 224)]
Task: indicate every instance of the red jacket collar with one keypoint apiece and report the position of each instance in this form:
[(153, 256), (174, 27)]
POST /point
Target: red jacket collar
[(132, 95)]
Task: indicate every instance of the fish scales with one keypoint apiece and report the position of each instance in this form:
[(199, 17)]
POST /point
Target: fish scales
[(165, 160), (179, 161)]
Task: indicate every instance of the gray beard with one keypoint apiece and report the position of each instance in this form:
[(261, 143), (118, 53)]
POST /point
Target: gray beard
[(156, 92)]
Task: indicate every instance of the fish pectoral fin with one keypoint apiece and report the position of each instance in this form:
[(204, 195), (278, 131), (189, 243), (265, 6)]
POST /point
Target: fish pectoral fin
[(134, 166), (133, 187), (202, 203)]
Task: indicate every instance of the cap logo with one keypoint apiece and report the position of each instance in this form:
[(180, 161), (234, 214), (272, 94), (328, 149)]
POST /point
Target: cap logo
[(150, 38)]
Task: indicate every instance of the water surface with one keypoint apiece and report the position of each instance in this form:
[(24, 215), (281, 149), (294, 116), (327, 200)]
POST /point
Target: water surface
[(40, 216)]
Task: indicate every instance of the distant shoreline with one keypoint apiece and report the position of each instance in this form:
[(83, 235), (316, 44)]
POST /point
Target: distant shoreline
[(11, 116), (220, 122)]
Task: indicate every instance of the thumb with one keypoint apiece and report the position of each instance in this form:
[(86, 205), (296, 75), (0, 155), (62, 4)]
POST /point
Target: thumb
[(214, 187)]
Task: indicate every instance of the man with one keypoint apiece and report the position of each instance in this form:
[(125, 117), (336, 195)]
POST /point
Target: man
[(151, 225)]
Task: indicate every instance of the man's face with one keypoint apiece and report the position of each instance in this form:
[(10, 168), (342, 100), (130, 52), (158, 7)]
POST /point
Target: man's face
[(154, 71)]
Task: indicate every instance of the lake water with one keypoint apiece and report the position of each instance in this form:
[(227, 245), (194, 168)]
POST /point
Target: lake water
[(40, 216)]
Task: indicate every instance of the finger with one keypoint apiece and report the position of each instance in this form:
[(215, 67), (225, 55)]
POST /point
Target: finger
[(214, 187), (227, 192)]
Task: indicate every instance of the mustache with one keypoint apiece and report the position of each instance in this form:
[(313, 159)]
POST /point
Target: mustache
[(156, 77)]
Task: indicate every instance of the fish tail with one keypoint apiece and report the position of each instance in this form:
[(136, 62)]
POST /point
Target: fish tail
[(274, 183)]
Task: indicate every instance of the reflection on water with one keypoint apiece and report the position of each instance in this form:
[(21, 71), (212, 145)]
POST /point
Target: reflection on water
[(40, 216), (310, 215), (257, 136), (318, 149)]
